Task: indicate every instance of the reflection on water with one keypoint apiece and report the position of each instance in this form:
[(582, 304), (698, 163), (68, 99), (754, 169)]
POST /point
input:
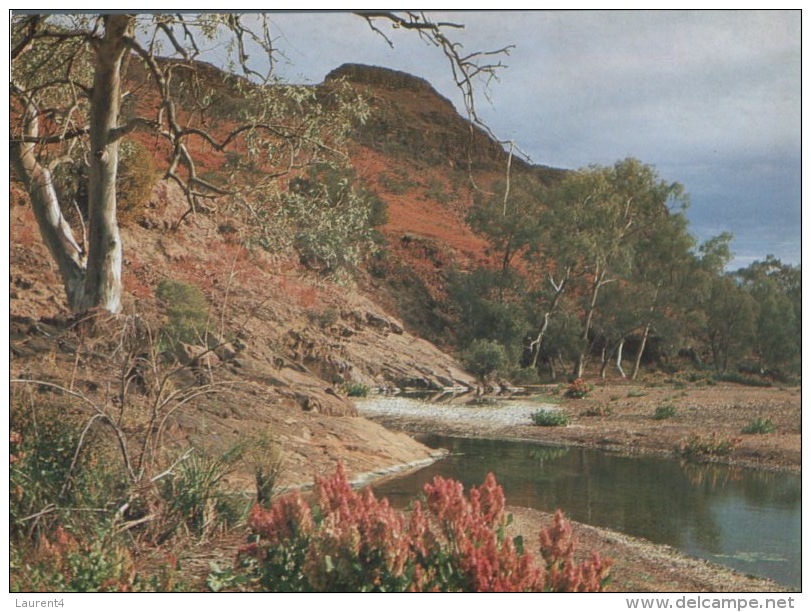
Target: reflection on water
[(746, 519)]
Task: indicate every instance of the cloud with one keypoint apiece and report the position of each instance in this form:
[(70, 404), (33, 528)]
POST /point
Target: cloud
[(711, 98)]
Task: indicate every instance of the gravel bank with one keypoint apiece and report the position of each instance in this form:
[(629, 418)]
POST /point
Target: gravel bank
[(488, 415)]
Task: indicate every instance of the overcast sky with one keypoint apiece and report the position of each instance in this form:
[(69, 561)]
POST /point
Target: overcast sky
[(710, 98)]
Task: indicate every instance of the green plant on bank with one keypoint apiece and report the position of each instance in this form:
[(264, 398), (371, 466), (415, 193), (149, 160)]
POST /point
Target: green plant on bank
[(484, 358), (356, 389), (666, 411), (549, 418), (759, 426), (636, 393), (196, 501), (264, 458), (350, 541), (324, 318), (701, 447)]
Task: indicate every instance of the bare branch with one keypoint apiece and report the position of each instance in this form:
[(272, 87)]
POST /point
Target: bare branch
[(30, 25)]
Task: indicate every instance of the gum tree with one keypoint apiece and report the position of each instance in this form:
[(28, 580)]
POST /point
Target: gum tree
[(68, 89), (604, 212)]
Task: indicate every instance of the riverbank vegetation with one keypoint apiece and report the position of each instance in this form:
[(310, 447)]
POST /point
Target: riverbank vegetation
[(448, 542)]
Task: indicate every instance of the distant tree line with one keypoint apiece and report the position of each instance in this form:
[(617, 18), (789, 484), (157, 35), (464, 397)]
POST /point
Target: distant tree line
[(600, 269)]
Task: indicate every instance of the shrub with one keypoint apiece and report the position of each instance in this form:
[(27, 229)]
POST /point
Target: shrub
[(356, 389), (484, 358), (759, 426), (665, 411), (550, 418), (350, 541), (62, 563), (578, 389), (708, 446), (196, 501), (264, 459), (187, 309), (325, 318), (50, 472)]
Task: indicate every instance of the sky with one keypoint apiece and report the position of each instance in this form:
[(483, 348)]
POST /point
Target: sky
[(711, 99)]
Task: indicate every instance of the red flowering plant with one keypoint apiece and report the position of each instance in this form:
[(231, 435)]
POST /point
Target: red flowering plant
[(578, 389), (351, 541), (563, 574)]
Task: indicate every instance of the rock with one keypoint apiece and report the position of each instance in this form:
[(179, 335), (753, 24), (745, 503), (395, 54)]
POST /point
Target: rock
[(195, 356), (378, 322), (225, 352)]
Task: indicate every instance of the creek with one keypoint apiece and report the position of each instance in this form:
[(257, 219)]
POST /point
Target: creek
[(745, 519)]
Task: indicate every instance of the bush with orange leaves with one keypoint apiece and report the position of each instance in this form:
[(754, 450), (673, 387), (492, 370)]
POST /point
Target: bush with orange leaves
[(350, 541)]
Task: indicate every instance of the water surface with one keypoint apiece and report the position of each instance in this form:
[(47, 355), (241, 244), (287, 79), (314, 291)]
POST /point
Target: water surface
[(746, 519)]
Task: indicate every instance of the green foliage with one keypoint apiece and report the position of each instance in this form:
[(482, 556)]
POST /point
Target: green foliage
[(759, 426), (730, 322), (777, 291), (356, 389), (187, 309), (636, 393), (353, 542), (484, 358), (666, 411), (489, 309), (262, 455), (63, 563), (51, 472), (67, 498), (324, 318), (550, 418), (397, 182), (196, 501), (510, 221), (702, 447), (325, 218), (437, 192)]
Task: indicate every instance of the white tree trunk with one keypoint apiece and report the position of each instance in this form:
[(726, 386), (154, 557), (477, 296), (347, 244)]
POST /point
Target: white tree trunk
[(103, 277), (53, 227), (619, 358)]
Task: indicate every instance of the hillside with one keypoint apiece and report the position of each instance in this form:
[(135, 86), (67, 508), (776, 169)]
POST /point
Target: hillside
[(428, 164), (299, 339)]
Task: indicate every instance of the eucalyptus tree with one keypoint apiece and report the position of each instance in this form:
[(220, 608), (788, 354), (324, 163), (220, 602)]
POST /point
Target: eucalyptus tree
[(68, 85), (777, 292), (602, 212), (507, 218), (661, 273)]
